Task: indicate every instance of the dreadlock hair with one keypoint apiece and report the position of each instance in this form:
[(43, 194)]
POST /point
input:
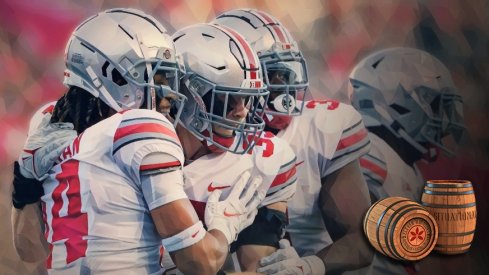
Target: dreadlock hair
[(80, 108)]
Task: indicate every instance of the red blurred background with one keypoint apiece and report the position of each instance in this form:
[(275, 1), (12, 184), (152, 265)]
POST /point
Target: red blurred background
[(334, 35)]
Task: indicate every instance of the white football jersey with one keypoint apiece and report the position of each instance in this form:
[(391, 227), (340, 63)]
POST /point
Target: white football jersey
[(95, 207), (271, 158), (387, 175), (327, 136)]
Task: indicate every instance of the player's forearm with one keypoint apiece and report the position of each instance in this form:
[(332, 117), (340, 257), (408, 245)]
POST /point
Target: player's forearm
[(205, 257), (261, 238), (343, 201), (29, 241), (350, 252)]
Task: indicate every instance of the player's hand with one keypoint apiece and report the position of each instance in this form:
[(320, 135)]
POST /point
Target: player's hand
[(238, 210), (287, 261), (44, 146)]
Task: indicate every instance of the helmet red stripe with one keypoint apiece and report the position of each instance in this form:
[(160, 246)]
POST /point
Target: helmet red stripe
[(267, 19), (280, 34), (247, 49)]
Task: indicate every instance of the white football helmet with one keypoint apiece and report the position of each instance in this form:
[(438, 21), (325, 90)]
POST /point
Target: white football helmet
[(410, 93), (221, 68), (285, 70), (116, 54)]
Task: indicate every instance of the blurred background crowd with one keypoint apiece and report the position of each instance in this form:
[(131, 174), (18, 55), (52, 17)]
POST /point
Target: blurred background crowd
[(333, 35)]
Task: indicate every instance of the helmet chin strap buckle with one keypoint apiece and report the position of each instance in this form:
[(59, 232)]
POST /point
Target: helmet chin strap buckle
[(284, 103)]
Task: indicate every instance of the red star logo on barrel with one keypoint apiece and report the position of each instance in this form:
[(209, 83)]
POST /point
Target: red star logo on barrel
[(417, 235)]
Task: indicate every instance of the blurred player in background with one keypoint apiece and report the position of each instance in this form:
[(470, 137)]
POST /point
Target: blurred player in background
[(328, 137), (412, 111), (117, 190)]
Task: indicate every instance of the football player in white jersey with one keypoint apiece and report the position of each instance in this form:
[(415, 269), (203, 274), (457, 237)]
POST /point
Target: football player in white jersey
[(409, 104), (327, 137), (117, 191), (220, 123)]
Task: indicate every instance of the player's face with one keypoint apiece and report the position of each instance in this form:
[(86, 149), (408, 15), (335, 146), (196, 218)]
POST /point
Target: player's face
[(165, 103), (277, 78), (238, 108)]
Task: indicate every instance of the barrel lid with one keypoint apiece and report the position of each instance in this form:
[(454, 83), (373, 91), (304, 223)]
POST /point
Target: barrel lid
[(448, 183)]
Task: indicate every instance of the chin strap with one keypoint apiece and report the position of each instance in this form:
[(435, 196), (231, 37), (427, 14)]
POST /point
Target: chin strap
[(221, 140), (278, 122)]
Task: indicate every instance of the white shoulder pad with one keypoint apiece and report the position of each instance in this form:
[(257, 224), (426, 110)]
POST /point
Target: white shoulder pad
[(271, 153), (141, 133), (39, 115), (332, 120), (280, 168)]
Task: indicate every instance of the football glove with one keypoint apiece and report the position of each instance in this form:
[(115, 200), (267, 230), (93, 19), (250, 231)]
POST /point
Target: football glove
[(287, 261), (238, 210)]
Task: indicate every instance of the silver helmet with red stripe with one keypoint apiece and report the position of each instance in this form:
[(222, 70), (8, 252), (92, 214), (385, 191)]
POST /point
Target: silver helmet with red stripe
[(284, 67), (410, 93), (117, 55), (223, 84)]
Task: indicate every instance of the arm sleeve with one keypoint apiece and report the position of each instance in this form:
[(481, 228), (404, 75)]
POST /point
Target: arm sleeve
[(341, 138), (147, 150), (164, 183), (374, 170)]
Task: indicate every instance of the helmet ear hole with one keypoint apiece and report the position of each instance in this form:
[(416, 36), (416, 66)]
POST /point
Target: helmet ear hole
[(117, 78), (284, 103)]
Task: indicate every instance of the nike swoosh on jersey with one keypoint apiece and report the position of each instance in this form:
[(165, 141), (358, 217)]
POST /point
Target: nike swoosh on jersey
[(211, 188), (299, 163)]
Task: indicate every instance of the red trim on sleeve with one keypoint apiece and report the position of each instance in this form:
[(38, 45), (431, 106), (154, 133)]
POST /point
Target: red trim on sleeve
[(283, 177), (352, 139), (373, 167), (155, 166), (144, 128)]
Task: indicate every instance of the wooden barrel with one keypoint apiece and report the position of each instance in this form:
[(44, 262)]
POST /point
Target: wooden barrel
[(400, 228), (452, 204)]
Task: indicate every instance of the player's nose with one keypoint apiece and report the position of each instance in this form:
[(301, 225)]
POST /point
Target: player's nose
[(239, 110)]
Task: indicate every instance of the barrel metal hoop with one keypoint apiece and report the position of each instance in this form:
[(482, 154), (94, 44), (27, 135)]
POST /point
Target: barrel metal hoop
[(455, 185), (380, 220), (429, 192), (447, 206), (365, 221), (455, 234), (452, 245), (416, 207), (386, 235)]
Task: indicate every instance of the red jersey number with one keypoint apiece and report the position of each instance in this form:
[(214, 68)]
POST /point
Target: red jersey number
[(330, 104), (69, 223), (265, 143)]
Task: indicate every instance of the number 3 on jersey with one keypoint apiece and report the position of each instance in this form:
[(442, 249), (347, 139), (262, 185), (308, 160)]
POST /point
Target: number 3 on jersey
[(263, 144), (330, 104), (68, 223)]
